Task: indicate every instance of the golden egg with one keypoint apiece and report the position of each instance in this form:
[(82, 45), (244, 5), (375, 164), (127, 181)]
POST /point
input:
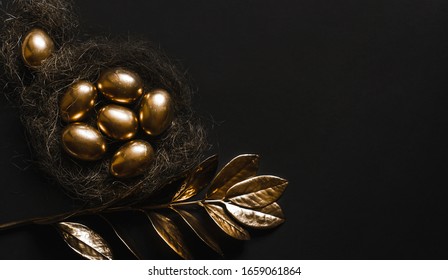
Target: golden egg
[(36, 47), (156, 112), (132, 159), (120, 85), (83, 142), (77, 101), (117, 122)]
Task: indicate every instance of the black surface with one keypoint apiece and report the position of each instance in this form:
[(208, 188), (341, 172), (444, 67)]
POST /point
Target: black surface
[(345, 99)]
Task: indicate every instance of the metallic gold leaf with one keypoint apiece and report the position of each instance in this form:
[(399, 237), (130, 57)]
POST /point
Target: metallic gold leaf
[(267, 217), (199, 229), (198, 179), (169, 232), (257, 192), (238, 169), (120, 232), (273, 209), (218, 214), (84, 241)]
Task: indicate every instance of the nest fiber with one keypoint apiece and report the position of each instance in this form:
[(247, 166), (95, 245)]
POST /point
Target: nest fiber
[(36, 92)]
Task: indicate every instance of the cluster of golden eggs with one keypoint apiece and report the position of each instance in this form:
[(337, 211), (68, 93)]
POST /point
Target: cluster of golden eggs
[(116, 121)]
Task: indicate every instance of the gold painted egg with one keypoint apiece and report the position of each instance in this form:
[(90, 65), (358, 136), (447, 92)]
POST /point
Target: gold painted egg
[(36, 47), (77, 101), (117, 122), (132, 159), (120, 85), (156, 112), (83, 142)]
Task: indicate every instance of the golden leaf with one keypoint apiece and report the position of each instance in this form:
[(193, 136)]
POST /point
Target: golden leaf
[(267, 217), (169, 232), (273, 209), (218, 214), (257, 192), (120, 232), (238, 169), (85, 241), (199, 229), (197, 179)]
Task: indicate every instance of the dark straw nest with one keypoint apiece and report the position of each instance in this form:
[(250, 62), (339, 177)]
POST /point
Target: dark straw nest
[(36, 93)]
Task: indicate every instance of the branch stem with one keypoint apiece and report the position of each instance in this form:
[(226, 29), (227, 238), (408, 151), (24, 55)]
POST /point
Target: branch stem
[(51, 219)]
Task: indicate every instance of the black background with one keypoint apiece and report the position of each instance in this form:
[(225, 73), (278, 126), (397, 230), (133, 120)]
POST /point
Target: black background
[(345, 99)]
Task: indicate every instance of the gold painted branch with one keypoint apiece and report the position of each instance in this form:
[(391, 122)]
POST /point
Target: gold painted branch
[(236, 199)]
